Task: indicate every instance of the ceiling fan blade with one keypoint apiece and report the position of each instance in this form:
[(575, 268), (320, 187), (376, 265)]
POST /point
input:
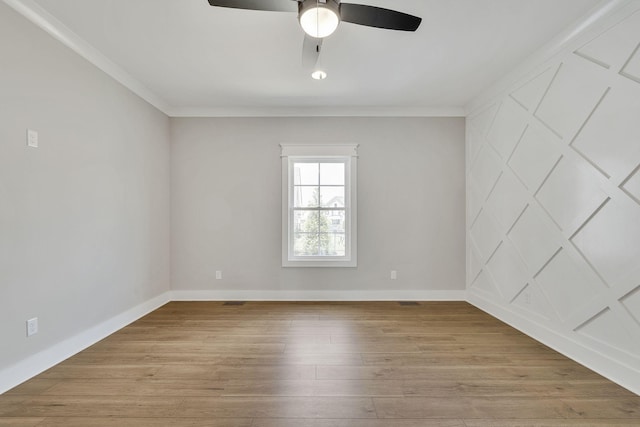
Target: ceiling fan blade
[(311, 48), (270, 5), (378, 17)]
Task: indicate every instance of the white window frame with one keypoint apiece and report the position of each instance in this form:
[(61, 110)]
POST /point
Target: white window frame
[(347, 153)]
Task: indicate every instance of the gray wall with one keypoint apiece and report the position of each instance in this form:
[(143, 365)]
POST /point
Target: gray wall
[(226, 205), (84, 218)]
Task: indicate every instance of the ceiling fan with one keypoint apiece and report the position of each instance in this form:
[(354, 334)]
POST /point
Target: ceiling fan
[(320, 18)]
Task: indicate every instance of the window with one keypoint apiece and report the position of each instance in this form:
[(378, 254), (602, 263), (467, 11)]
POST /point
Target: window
[(319, 205)]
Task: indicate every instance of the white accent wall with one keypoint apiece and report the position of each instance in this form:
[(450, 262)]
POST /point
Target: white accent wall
[(226, 208), (553, 202), (84, 218)]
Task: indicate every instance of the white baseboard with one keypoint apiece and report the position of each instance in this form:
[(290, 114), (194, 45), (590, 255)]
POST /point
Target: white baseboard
[(31, 366), (604, 365), (320, 295)]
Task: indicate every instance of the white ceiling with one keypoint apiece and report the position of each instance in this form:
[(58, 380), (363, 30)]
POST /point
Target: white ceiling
[(203, 60)]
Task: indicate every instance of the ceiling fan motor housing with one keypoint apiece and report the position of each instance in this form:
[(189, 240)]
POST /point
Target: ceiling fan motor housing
[(320, 14)]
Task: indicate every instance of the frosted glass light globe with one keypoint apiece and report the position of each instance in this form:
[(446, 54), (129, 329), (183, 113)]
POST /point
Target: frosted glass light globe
[(319, 22)]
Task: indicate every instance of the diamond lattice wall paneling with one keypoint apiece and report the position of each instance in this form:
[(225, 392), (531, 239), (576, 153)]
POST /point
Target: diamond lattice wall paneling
[(485, 234), (530, 94), (612, 49), (575, 91), (484, 285), (554, 198), (571, 193), (605, 328), (486, 170), (508, 126), (534, 237), (611, 137), (474, 203), (611, 242), (533, 301), (631, 302), (632, 69), (475, 265), (507, 200), (508, 272), (481, 122), (535, 157), (569, 284), (632, 186)]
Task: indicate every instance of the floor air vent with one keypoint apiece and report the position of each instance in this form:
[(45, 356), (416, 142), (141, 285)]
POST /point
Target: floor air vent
[(233, 303), (408, 303)]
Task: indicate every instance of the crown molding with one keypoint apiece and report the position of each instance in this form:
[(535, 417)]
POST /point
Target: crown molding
[(43, 19), (319, 112), (603, 16)]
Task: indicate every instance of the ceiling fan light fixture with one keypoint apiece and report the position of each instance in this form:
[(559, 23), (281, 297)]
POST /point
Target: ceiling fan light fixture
[(319, 75), (319, 19)]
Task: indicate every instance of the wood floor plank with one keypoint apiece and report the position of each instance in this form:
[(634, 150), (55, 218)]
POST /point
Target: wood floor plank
[(8, 402), (204, 357), (144, 422), (318, 364), (96, 406), (279, 407), (212, 371), (282, 422), (464, 359), (33, 386), (506, 407), (551, 423), (70, 370), (461, 373), (21, 422)]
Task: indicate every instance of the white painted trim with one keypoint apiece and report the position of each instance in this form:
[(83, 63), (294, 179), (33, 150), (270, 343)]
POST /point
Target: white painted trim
[(16, 374), (318, 295), (346, 154), (43, 19), (601, 17), (332, 111), (319, 150), (624, 375)]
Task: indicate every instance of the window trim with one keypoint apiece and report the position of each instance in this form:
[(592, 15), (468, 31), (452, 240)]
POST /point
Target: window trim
[(346, 153)]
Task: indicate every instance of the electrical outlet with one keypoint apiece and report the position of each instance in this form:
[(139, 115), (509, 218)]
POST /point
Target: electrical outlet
[(32, 326), (32, 138), (218, 275), (394, 274)]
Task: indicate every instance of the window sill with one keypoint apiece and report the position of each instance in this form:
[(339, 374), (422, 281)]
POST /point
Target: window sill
[(319, 263)]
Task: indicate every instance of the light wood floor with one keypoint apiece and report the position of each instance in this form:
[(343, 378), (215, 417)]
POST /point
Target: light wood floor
[(202, 364)]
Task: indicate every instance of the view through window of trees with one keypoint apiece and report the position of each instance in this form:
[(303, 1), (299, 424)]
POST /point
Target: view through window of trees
[(319, 223)]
